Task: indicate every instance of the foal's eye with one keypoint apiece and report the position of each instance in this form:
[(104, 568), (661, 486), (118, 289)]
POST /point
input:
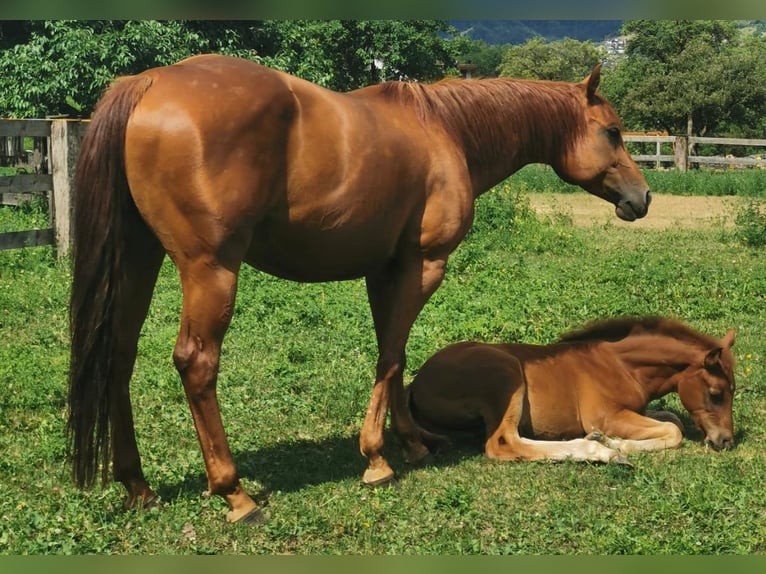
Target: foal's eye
[(716, 396)]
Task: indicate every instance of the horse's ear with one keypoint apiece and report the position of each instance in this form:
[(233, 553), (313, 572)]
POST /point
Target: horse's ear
[(713, 358), (728, 339), (592, 81)]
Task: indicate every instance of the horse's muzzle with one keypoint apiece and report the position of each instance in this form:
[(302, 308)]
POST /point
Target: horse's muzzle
[(629, 210), (719, 443)]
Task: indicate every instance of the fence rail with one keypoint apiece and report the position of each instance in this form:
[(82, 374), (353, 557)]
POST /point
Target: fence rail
[(52, 163), (682, 147), (57, 141)]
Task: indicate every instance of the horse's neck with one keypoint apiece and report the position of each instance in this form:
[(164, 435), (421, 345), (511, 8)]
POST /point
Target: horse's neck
[(655, 359), (503, 125)]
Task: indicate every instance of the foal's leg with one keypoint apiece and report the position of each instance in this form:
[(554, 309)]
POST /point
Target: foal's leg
[(634, 432), (208, 302), (504, 441), (396, 298), (142, 259)]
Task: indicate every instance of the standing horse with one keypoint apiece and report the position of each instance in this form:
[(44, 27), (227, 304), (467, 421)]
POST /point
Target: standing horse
[(592, 383), (217, 161)]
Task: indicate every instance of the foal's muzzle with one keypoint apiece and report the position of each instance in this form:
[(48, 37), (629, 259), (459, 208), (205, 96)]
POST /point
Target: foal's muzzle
[(719, 443)]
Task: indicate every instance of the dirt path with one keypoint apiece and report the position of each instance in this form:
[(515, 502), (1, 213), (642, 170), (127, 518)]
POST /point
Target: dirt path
[(666, 211)]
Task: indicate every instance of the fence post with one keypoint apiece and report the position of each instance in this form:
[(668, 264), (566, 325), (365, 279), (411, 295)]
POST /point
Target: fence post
[(681, 151), (65, 146)]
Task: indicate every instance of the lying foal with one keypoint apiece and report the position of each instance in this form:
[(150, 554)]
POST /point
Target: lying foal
[(590, 387)]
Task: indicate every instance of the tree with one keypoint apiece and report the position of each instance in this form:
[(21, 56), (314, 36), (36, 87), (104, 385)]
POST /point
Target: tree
[(347, 54), (485, 57), (689, 76), (566, 60), (62, 67)]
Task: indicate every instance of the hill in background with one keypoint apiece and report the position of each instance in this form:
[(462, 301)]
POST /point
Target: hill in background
[(498, 32)]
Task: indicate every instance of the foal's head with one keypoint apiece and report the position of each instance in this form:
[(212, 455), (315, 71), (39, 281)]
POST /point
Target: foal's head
[(706, 390), (598, 160)]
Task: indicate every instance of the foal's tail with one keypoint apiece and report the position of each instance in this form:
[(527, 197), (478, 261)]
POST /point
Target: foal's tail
[(102, 208)]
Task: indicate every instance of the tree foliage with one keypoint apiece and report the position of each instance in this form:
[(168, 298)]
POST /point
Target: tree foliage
[(699, 73), (62, 67), (567, 60)]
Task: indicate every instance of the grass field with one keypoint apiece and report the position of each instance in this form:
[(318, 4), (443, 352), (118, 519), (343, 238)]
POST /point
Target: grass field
[(295, 380)]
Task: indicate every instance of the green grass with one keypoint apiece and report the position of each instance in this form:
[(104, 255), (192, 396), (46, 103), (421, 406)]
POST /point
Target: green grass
[(296, 375), (740, 182)]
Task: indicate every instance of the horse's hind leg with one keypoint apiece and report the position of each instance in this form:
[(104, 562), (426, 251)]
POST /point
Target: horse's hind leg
[(142, 259), (208, 302)]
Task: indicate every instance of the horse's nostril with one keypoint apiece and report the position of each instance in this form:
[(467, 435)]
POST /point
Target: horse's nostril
[(648, 199), (720, 444)]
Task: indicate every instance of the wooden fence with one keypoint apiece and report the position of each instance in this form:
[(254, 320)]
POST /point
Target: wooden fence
[(50, 171), (682, 155), (51, 160)]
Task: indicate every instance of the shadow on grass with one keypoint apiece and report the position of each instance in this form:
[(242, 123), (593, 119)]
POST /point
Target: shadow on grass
[(290, 466)]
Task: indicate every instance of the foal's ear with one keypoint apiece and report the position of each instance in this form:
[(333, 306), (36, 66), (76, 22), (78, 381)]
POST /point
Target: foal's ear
[(592, 81), (728, 338), (713, 358)]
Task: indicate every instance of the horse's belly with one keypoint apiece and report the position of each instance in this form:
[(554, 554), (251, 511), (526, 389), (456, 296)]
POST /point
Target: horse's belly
[(314, 256), (553, 405)]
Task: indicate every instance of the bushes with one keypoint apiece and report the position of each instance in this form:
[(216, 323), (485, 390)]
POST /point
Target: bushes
[(751, 224)]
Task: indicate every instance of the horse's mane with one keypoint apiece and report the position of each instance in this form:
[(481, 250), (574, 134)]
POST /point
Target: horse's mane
[(618, 328), (489, 115)]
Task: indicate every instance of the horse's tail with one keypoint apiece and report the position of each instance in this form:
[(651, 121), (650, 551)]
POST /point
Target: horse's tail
[(102, 203)]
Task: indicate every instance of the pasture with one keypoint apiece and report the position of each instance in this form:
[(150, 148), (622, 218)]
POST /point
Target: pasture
[(297, 367)]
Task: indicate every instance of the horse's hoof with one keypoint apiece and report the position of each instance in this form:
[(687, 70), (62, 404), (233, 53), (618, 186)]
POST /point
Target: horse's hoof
[(426, 460), (388, 481), (622, 461), (391, 483), (596, 435), (378, 475), (137, 503), (416, 455), (254, 517)]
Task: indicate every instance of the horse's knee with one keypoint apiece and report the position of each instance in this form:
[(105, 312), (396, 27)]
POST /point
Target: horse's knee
[(674, 435)]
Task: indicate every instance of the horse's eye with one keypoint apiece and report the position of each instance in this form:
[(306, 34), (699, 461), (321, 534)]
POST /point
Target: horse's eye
[(614, 134), (716, 396)]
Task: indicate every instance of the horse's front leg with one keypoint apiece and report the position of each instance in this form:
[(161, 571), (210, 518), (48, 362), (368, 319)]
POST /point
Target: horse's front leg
[(396, 297), (630, 432)]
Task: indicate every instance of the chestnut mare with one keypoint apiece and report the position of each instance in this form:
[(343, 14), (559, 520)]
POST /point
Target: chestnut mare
[(593, 383), (217, 161)]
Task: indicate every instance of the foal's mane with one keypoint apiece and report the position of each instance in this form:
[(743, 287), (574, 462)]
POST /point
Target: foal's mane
[(618, 328), (490, 115)]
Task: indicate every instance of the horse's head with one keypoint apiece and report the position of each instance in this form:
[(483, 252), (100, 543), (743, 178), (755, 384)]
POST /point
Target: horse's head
[(707, 390), (598, 160)]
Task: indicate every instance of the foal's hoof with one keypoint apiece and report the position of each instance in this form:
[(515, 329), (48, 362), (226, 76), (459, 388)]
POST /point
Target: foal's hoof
[(596, 435), (428, 460), (416, 453), (622, 461)]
